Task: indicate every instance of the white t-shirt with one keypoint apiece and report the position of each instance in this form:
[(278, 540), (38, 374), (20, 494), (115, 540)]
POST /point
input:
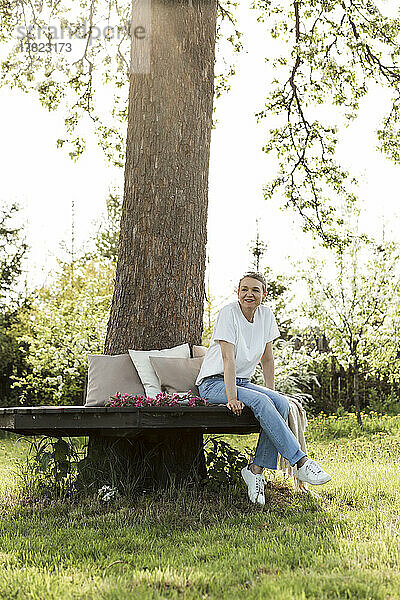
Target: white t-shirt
[(249, 340)]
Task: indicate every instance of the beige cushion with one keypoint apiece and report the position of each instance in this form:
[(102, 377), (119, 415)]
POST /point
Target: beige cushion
[(199, 351), (148, 377), (108, 375), (177, 374)]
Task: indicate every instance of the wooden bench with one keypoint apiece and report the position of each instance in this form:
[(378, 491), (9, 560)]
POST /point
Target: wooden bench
[(66, 421), (167, 440)]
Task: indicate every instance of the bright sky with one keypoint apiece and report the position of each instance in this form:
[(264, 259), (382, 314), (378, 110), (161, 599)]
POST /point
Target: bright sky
[(44, 180)]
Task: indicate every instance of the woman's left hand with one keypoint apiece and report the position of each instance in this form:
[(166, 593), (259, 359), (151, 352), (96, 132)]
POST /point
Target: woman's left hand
[(235, 406)]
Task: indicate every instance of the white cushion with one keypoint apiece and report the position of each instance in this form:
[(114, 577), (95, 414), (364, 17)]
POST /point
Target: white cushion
[(148, 377)]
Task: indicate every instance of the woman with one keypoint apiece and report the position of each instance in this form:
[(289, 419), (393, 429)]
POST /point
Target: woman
[(242, 337)]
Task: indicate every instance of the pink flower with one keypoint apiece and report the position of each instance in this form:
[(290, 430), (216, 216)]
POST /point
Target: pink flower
[(161, 399)]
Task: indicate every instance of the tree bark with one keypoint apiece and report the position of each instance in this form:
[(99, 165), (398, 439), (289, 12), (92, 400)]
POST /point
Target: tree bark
[(159, 287), (151, 460)]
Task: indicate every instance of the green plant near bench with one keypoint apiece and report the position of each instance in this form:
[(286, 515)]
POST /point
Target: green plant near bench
[(52, 467), (224, 462)]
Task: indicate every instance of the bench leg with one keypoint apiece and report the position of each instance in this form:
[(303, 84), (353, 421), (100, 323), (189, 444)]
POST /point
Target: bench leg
[(151, 460)]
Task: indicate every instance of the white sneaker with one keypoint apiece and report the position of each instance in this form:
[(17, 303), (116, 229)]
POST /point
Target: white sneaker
[(312, 472), (255, 485)]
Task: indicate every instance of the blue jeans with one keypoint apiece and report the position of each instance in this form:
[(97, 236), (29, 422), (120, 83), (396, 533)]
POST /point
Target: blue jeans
[(270, 408)]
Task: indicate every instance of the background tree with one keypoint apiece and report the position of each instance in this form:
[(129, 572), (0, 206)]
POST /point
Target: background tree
[(257, 248), (55, 325), (59, 323), (210, 310), (351, 302), (13, 249), (384, 358), (277, 285), (107, 235)]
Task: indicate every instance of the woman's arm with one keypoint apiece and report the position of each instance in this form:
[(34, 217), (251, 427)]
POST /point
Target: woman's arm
[(228, 356), (267, 363)]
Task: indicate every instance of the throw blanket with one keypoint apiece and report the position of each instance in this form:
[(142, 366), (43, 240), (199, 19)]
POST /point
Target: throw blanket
[(297, 422)]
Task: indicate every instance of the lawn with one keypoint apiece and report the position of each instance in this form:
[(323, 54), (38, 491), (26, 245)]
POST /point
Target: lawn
[(342, 544)]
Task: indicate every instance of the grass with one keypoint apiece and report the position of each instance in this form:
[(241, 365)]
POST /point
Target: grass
[(343, 544)]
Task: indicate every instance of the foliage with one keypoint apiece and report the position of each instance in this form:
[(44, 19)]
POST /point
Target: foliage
[(279, 299), (12, 251), (353, 304), (162, 399), (227, 29), (93, 86), (209, 317), (306, 367), (73, 86), (50, 468), (224, 463), (332, 51), (384, 403), (257, 248), (211, 309), (65, 320), (277, 286), (383, 353), (107, 236), (294, 370), (335, 388), (344, 425), (12, 355)]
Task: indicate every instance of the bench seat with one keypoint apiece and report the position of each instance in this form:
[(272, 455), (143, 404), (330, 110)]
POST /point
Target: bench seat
[(66, 421)]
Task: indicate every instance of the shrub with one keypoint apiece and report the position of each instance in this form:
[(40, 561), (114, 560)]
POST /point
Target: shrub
[(65, 320)]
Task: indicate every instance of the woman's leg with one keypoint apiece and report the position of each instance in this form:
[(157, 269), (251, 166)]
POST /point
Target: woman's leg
[(281, 402), (277, 433), (266, 453), (214, 390)]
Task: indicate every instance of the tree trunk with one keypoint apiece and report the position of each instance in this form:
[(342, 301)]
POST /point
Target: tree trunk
[(159, 286), (356, 382), (151, 460)]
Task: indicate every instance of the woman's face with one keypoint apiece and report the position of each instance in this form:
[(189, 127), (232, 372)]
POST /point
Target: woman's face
[(250, 293)]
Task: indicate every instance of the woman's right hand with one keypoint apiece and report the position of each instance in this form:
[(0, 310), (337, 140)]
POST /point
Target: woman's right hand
[(228, 357), (235, 406)]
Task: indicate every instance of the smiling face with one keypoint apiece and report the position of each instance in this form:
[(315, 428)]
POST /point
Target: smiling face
[(250, 294)]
